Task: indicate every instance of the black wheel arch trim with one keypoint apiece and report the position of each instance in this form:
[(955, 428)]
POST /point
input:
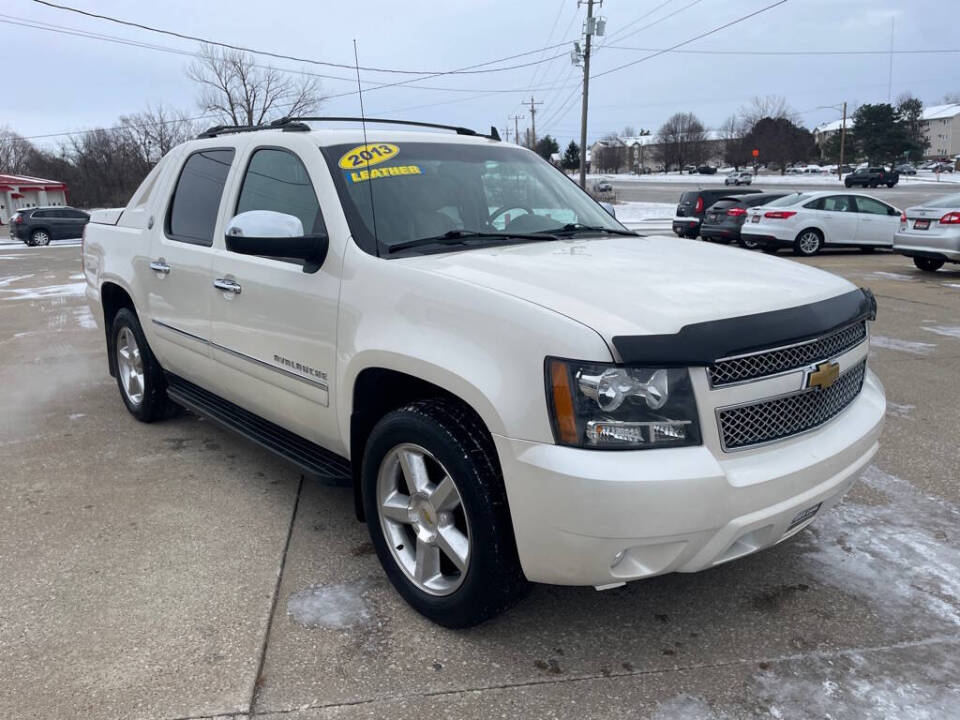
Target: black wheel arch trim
[(706, 342)]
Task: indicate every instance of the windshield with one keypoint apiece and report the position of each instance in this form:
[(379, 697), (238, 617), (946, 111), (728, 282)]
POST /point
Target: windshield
[(429, 190)]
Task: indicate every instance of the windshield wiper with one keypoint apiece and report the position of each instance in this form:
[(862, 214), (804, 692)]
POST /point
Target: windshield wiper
[(456, 237), (572, 228)]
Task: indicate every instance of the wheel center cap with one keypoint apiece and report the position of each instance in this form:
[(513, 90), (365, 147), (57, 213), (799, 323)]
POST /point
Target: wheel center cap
[(424, 516)]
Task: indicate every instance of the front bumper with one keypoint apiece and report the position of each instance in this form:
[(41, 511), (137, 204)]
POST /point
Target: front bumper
[(676, 510), (945, 246)]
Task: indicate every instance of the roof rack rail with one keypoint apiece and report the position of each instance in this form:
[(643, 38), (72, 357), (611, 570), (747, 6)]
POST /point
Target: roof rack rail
[(298, 124)]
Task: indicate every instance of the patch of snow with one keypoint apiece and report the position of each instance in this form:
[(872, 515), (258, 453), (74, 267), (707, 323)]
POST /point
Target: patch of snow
[(892, 275), (916, 681), (13, 279), (84, 318), (900, 411), (888, 343), (45, 293), (77, 416), (903, 557), (951, 285), (633, 212), (330, 606), (685, 707), (945, 330)]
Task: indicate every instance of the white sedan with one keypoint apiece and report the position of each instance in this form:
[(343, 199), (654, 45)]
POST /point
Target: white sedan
[(807, 222)]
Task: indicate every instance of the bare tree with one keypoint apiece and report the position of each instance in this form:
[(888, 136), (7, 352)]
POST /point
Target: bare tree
[(157, 130), (15, 152), (774, 107), (951, 97), (243, 93), (629, 131), (681, 139)]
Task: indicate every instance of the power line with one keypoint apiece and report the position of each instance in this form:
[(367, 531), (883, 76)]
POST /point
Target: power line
[(471, 70), (635, 21), (553, 27), (617, 37), (789, 52), (693, 39)]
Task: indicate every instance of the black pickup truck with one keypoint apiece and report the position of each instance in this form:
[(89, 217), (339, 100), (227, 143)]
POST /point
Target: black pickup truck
[(872, 177)]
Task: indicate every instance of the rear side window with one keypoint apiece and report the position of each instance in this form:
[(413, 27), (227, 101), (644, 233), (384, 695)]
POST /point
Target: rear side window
[(42, 213), (873, 207), (277, 180), (196, 199)]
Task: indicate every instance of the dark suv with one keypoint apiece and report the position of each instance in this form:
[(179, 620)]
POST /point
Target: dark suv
[(38, 226), (723, 220), (872, 177), (691, 206)]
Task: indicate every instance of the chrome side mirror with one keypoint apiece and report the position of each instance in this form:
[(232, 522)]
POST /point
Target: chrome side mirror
[(275, 235)]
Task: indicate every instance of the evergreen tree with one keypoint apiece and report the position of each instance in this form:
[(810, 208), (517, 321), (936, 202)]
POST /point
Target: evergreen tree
[(547, 146), (571, 157)]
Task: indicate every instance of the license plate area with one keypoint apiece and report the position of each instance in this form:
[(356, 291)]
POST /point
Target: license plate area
[(921, 224), (804, 515), (755, 218)]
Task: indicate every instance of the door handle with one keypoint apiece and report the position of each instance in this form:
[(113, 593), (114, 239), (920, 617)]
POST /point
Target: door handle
[(160, 266), (227, 285)]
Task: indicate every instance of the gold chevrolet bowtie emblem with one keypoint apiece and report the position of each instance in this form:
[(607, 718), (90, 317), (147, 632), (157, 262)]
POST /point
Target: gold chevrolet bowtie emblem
[(825, 375)]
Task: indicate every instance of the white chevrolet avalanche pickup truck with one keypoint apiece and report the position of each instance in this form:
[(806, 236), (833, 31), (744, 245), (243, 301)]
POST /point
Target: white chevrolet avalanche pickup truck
[(519, 388)]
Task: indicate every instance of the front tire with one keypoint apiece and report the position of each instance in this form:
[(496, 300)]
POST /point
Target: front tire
[(808, 243), (40, 237), (927, 264), (437, 513), (139, 375)]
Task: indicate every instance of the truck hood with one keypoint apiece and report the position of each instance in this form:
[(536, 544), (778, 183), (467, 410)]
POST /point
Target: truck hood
[(639, 285)]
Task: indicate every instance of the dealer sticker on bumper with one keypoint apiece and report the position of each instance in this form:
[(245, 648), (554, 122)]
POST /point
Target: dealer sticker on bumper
[(804, 515)]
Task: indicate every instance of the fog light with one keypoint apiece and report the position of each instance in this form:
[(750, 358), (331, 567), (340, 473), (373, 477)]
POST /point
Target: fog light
[(617, 558)]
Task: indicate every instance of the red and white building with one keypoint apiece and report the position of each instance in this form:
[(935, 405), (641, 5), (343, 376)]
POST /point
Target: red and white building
[(21, 191)]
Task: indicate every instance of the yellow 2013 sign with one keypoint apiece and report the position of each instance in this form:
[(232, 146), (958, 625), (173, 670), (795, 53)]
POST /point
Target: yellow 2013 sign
[(363, 156)]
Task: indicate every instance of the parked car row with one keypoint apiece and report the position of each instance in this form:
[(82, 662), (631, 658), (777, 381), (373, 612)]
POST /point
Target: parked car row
[(807, 222)]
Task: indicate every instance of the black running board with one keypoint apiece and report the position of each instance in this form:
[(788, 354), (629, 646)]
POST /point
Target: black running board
[(313, 459)]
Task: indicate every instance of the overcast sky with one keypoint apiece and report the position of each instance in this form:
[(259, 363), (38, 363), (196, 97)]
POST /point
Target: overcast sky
[(56, 83)]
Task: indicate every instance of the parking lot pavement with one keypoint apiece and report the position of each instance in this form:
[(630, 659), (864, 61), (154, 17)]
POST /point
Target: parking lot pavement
[(140, 564)]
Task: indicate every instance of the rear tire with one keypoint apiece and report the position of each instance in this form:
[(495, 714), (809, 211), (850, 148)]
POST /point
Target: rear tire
[(40, 237), (927, 264), (808, 243), (418, 530), (139, 375), (890, 184), (848, 183)]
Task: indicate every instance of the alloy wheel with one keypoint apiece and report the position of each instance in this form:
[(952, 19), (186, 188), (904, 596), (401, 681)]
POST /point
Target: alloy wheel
[(809, 242), (130, 365), (41, 238), (423, 519)]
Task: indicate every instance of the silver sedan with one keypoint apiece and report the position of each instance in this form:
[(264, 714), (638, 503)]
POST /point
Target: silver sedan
[(930, 233)]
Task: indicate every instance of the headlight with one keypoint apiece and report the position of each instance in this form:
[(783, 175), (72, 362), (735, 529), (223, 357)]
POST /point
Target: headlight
[(603, 406)]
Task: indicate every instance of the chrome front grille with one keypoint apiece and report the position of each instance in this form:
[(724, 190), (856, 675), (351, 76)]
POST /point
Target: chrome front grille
[(772, 362), (777, 418)]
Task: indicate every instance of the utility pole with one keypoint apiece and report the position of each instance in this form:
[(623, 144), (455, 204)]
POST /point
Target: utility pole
[(533, 122), (506, 132), (843, 137), (589, 29), (516, 128)]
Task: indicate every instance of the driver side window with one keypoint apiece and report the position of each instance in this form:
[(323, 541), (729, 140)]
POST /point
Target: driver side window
[(277, 180)]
